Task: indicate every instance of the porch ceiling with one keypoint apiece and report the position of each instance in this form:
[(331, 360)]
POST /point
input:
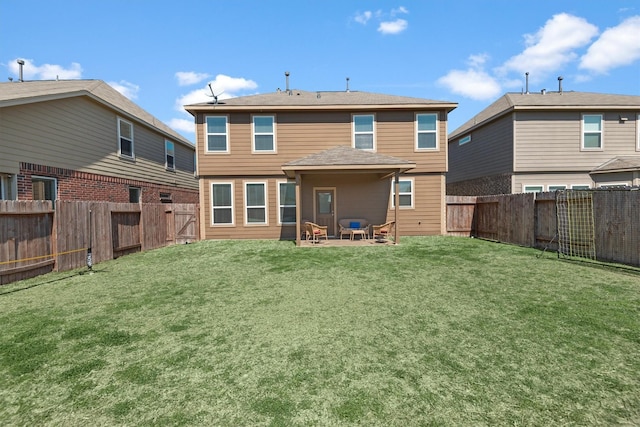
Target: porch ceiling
[(343, 159)]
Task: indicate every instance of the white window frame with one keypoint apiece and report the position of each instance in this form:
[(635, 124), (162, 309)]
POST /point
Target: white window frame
[(120, 138), (372, 132), (583, 131), (169, 153), (213, 208), (281, 206), (207, 133), (412, 193), (464, 140), (638, 132), (254, 149), (576, 186), (418, 132), (247, 207), (526, 188), (564, 187), (49, 179)]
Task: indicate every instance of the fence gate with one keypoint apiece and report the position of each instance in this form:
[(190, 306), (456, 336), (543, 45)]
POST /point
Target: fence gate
[(186, 227)]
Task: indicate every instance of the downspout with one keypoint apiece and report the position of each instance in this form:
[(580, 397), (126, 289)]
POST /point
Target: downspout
[(298, 207), (396, 201)]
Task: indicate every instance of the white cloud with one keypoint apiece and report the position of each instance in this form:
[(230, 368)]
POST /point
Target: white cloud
[(224, 87), (182, 125), (126, 88), (393, 27), (363, 18), (31, 71), (617, 46), (187, 78), (472, 83), (401, 9), (552, 47)]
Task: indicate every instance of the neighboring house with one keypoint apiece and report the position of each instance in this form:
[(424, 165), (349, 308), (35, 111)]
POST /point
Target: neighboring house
[(268, 162), (83, 140), (547, 141)]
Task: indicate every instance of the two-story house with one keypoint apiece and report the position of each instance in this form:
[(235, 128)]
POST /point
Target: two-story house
[(546, 141), (83, 140), (268, 162)]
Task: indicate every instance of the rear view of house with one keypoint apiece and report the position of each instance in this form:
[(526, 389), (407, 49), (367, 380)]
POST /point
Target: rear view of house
[(546, 141), (83, 140), (269, 162)]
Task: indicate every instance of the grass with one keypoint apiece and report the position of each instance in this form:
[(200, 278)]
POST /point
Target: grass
[(436, 331)]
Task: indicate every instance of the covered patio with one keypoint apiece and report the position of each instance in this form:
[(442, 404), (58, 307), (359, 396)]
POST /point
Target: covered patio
[(343, 182)]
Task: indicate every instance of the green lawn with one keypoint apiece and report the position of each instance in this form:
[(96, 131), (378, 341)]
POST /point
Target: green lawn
[(435, 331)]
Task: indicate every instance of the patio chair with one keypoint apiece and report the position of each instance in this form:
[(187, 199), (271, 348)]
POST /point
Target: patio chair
[(383, 231), (315, 231), (303, 229)]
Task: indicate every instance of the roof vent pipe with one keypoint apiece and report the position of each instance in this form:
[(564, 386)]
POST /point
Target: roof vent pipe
[(543, 91), (526, 91), (286, 74), (560, 84), (347, 84), (21, 64)]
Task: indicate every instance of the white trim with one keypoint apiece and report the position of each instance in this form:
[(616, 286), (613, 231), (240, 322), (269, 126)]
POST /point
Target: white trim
[(280, 205), (412, 193), (613, 184), (582, 132), (525, 188), (564, 187), (265, 206), (418, 132), (233, 217), (166, 155), (254, 134), (573, 186), (638, 132), (46, 178), (120, 138), (227, 149), (372, 132)]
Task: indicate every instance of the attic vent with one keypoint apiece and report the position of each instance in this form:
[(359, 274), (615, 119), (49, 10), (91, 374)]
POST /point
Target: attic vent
[(318, 95)]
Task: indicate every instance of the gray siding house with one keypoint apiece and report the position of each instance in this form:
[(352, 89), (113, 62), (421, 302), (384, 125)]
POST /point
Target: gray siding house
[(546, 141), (83, 140)]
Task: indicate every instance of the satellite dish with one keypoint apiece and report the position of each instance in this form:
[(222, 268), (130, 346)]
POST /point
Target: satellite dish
[(213, 95)]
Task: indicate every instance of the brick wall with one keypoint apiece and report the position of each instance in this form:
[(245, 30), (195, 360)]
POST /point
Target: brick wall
[(74, 185), (484, 186)]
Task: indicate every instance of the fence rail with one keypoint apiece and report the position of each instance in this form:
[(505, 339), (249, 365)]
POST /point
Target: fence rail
[(530, 220), (35, 239)]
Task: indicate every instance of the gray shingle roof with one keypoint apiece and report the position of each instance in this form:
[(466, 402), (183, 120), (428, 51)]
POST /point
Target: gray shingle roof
[(621, 163), (302, 99), (17, 93), (549, 101), (348, 156)]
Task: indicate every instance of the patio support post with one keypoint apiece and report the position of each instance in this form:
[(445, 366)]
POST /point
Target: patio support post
[(298, 207), (396, 202)]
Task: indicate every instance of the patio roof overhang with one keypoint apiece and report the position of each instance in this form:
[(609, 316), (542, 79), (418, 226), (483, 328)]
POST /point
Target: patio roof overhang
[(343, 159)]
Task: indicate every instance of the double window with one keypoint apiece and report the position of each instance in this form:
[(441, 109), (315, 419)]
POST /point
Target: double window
[(363, 132), (217, 134), (427, 131), (592, 131), (125, 139), (255, 202), (170, 155), (264, 137), (221, 203), (405, 193), (287, 202)]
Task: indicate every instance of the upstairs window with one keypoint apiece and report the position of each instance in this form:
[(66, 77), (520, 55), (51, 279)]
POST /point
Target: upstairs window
[(426, 131), (264, 139), (592, 131), (125, 139), (170, 155), (217, 134), (363, 134)]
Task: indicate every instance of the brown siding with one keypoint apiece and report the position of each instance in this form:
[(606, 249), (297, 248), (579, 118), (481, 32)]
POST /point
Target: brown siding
[(79, 134), (546, 140), (490, 152)]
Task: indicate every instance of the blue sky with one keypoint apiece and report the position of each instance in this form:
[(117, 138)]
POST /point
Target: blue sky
[(163, 54)]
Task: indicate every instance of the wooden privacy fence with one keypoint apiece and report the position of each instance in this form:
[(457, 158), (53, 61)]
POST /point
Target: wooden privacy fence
[(35, 239), (529, 219)]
